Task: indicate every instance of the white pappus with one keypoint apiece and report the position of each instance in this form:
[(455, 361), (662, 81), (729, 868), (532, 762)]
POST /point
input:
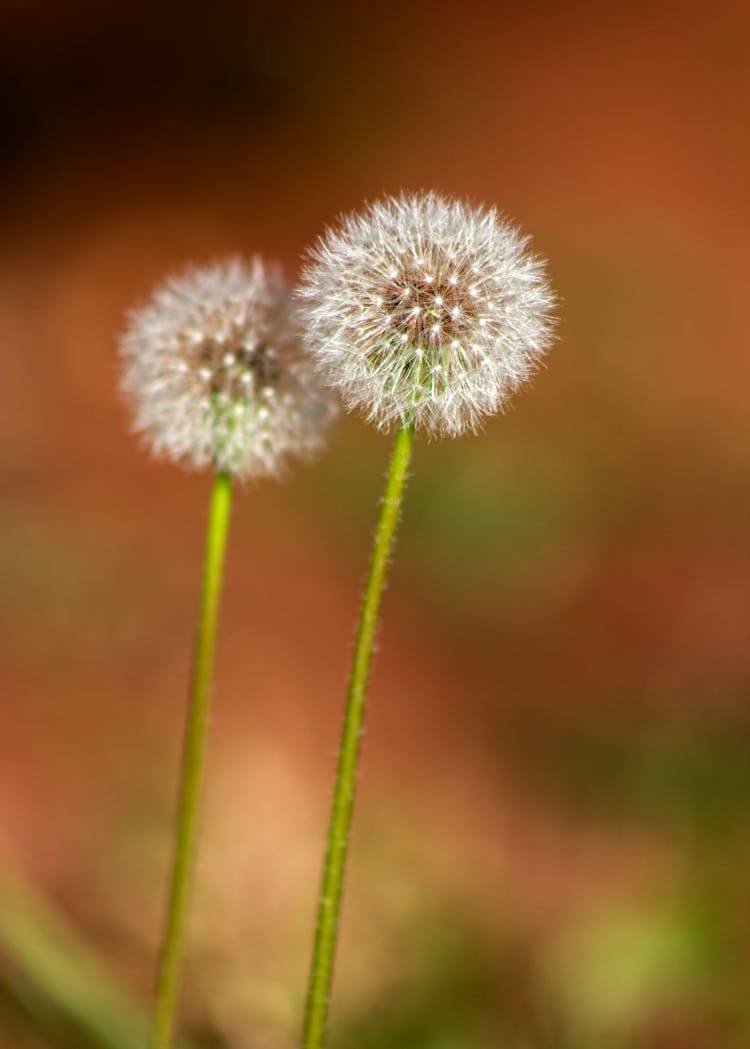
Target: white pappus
[(425, 310), (216, 374)]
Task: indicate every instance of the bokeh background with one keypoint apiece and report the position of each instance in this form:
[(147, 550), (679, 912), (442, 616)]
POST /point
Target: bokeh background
[(552, 844)]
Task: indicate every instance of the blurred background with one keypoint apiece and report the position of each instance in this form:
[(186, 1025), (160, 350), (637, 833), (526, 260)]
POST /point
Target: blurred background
[(552, 844)]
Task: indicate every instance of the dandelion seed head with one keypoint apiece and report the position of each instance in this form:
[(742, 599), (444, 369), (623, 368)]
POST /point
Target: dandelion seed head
[(426, 310), (216, 375)]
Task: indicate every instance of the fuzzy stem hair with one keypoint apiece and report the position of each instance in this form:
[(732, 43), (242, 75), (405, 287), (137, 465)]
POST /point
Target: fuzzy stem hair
[(329, 902)]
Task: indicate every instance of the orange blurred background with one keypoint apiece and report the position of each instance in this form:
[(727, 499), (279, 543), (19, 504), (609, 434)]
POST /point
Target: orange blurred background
[(551, 842)]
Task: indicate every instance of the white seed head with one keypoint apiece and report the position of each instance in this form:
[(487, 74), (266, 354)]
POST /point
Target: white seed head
[(425, 310), (217, 376)]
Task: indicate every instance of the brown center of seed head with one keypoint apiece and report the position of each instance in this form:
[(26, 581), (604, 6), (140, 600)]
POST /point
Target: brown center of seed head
[(233, 364), (428, 311)]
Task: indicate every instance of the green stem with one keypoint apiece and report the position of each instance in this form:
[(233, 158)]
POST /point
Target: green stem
[(329, 903), (173, 943)]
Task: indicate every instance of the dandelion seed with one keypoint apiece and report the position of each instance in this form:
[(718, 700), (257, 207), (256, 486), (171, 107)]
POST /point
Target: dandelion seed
[(196, 356), (478, 304)]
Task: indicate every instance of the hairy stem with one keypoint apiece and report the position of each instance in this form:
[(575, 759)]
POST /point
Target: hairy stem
[(173, 943), (329, 903)]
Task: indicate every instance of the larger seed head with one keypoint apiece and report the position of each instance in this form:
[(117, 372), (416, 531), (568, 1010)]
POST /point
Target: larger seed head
[(425, 310), (216, 374)]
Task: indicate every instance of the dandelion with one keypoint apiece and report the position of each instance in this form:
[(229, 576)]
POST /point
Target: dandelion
[(425, 313), (216, 377)]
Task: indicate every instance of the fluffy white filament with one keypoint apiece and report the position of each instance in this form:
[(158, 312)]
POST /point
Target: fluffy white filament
[(216, 375), (425, 310)]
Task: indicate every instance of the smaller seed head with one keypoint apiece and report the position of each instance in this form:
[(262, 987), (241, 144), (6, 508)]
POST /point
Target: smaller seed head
[(216, 374)]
